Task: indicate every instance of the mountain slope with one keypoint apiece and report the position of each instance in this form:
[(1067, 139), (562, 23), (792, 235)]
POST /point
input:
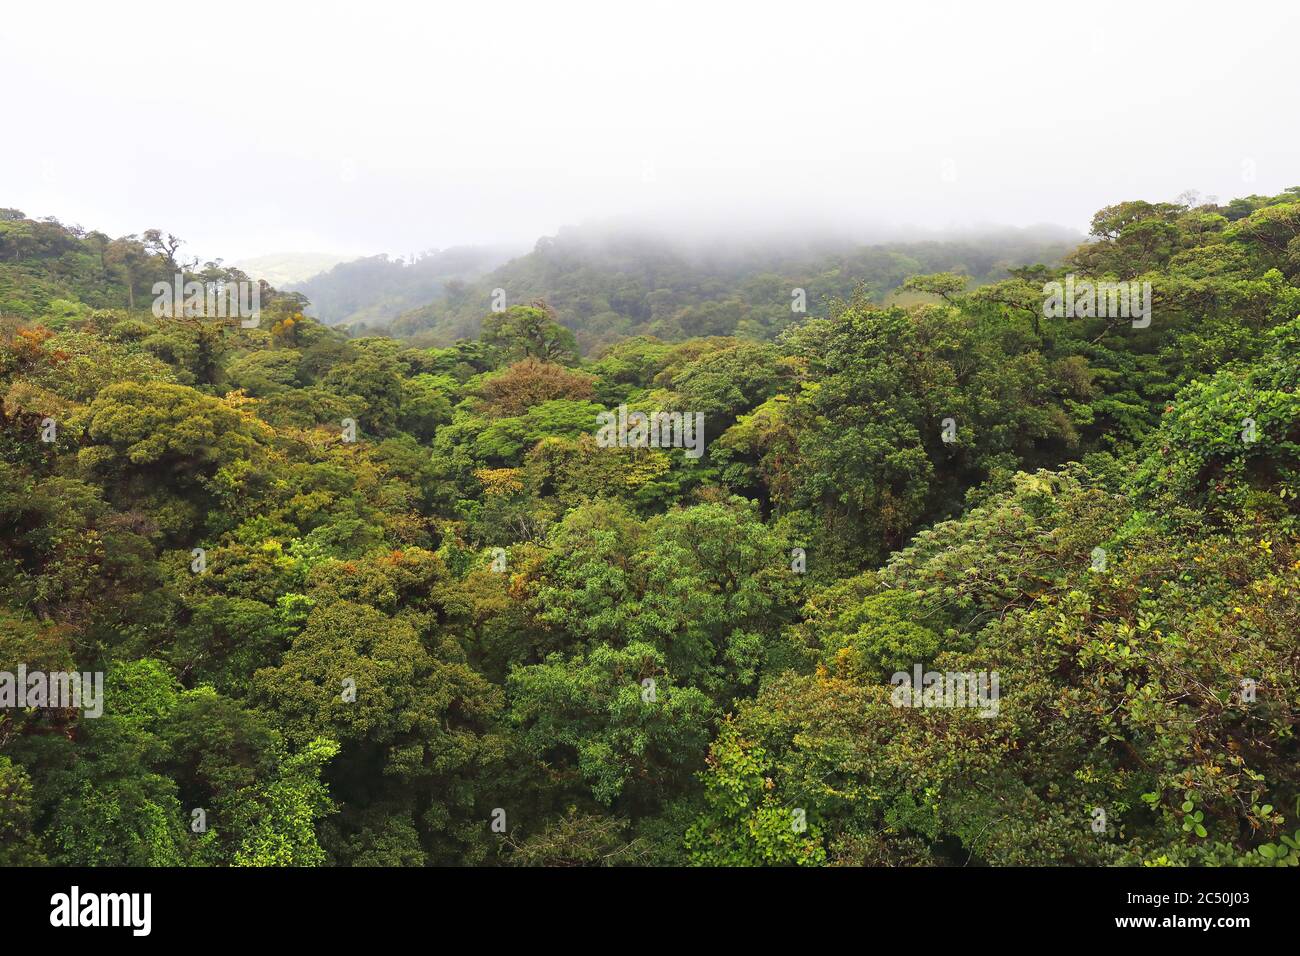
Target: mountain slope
[(609, 284)]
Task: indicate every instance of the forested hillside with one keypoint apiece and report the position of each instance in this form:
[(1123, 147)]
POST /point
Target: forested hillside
[(608, 283), (377, 601), (51, 271), (374, 290), (614, 281)]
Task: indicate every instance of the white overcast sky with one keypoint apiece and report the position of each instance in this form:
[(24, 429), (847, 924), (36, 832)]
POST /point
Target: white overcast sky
[(362, 127)]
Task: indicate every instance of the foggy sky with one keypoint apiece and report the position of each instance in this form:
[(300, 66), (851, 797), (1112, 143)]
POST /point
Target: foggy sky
[(355, 128)]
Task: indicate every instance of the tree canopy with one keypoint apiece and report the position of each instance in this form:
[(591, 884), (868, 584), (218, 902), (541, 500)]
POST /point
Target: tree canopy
[(395, 599)]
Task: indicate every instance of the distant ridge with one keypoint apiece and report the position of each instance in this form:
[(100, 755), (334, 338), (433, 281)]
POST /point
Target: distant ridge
[(286, 268)]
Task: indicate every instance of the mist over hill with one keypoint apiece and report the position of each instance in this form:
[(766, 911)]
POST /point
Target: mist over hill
[(607, 281), (375, 289)]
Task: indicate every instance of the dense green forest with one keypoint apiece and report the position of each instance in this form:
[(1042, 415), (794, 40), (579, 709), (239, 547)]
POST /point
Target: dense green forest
[(392, 600)]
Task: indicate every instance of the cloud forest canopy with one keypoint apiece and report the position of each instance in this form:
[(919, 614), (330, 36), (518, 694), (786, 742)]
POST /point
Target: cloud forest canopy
[(371, 600)]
